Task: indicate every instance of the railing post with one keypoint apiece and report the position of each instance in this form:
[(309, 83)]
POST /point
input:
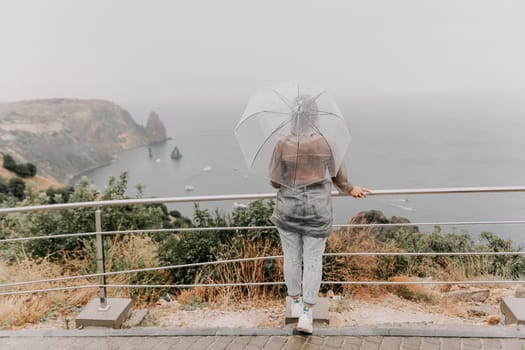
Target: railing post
[(106, 312), (101, 262)]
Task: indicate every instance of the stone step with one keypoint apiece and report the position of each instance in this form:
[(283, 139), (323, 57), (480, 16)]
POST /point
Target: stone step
[(513, 309), (320, 312)]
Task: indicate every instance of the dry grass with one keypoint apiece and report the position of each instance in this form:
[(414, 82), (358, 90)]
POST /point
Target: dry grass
[(355, 268), (414, 292), (19, 310), (130, 252), (245, 272), (134, 251)]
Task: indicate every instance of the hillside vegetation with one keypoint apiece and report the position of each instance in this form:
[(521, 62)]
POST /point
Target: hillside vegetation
[(37, 182), (39, 259), (64, 137)]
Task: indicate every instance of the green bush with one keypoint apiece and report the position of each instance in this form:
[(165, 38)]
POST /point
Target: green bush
[(59, 195), (4, 187), (503, 265), (81, 220), (22, 170), (9, 162), (506, 266), (207, 246), (16, 187)]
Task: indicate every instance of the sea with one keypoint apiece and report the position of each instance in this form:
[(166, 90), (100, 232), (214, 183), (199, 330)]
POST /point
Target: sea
[(398, 142)]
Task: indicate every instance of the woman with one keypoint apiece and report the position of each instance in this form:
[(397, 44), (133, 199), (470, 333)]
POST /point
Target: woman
[(303, 170)]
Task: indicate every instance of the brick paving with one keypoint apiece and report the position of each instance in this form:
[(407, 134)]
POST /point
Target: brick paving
[(277, 339), (259, 342)]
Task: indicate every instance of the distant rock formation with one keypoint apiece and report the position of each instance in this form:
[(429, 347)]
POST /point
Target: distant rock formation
[(155, 130), (175, 154), (65, 137), (381, 233)]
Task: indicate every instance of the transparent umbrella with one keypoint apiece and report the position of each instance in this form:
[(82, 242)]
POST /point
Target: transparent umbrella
[(294, 134)]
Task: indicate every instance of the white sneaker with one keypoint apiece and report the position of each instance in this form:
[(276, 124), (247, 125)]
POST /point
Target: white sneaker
[(305, 323), (297, 308)]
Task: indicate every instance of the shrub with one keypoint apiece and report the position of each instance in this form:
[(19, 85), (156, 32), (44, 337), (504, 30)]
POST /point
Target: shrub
[(25, 170), (81, 220), (4, 187), (350, 268), (208, 246), (59, 195), (414, 292), (16, 187), (78, 254), (503, 265), (9, 162), (22, 170)]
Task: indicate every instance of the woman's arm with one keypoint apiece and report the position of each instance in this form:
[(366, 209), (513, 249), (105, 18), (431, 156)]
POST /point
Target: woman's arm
[(344, 186), (341, 182)]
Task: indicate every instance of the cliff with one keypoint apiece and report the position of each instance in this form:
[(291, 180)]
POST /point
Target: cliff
[(64, 137)]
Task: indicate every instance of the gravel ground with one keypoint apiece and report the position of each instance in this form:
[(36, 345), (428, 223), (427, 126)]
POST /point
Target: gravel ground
[(385, 310)]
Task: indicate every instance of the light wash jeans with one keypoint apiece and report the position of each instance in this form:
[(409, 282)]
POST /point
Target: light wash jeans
[(300, 250)]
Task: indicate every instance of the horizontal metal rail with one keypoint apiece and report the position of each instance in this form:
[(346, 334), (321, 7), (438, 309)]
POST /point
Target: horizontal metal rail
[(260, 284), (233, 228), (161, 200), (149, 269), (380, 283), (229, 261)]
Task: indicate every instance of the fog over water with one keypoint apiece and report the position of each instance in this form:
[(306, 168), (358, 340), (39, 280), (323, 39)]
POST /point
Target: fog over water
[(397, 143)]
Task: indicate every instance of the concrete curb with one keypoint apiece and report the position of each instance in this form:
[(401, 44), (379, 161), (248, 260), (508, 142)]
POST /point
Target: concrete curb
[(427, 331)]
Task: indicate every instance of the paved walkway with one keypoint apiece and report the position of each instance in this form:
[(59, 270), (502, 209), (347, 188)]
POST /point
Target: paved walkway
[(488, 338)]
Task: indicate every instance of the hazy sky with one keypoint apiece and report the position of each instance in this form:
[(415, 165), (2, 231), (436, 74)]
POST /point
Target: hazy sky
[(125, 50)]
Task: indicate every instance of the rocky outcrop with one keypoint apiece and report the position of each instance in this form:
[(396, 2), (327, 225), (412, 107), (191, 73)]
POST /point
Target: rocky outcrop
[(155, 129), (474, 295), (381, 233), (64, 137)]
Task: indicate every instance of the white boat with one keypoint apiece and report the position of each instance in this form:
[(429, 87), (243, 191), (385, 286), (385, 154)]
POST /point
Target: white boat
[(238, 205), (157, 160), (189, 188), (206, 168)]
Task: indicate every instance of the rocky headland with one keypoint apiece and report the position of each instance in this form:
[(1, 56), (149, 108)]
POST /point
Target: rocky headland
[(65, 137)]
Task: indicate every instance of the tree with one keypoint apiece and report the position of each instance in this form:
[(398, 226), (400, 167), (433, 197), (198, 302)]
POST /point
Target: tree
[(16, 187), (26, 170), (59, 195), (22, 170), (3, 185), (9, 162)]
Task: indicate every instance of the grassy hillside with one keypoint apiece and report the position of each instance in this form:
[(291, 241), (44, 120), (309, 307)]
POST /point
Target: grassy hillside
[(39, 183)]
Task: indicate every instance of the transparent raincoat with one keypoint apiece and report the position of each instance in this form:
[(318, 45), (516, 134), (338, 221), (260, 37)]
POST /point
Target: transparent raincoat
[(302, 166), (304, 156)]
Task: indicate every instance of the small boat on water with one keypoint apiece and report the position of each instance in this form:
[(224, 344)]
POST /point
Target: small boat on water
[(206, 168), (189, 188), (237, 205)]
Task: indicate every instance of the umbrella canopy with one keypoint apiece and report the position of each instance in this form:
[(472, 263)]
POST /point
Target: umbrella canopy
[(296, 135)]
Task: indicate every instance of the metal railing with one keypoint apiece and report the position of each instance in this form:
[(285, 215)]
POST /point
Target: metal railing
[(102, 274)]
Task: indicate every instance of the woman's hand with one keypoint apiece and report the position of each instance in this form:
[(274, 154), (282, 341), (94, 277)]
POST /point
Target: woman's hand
[(359, 192)]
